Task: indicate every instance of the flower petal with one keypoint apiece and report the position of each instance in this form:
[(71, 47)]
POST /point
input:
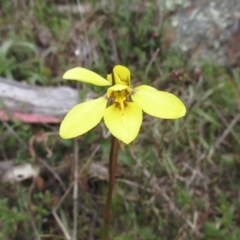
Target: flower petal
[(82, 118), (120, 75), (124, 126), (146, 87), (158, 103), (119, 87), (85, 75)]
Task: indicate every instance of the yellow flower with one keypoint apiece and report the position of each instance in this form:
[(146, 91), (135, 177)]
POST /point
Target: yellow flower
[(121, 107)]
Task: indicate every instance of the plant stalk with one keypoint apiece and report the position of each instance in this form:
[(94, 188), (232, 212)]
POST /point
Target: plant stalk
[(113, 156)]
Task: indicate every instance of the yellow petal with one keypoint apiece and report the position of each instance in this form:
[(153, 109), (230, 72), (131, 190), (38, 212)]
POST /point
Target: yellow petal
[(158, 104), (146, 87), (122, 72), (124, 125), (119, 87), (82, 118), (116, 89), (109, 78), (120, 75), (85, 75)]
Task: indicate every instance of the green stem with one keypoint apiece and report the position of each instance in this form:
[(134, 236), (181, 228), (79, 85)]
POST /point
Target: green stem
[(113, 156)]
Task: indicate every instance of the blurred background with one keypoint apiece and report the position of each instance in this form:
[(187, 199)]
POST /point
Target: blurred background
[(180, 179)]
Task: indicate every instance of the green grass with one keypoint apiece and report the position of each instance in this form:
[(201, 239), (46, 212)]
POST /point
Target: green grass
[(182, 180)]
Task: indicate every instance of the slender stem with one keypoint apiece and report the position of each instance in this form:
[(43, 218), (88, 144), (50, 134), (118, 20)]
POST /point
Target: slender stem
[(113, 156), (75, 191)]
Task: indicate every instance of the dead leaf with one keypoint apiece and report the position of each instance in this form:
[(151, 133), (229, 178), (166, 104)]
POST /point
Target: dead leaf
[(39, 182), (39, 137)]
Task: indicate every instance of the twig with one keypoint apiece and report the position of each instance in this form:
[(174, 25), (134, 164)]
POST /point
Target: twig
[(27, 204), (221, 139), (224, 120), (66, 234), (114, 47), (88, 162), (227, 130), (28, 208), (10, 129), (151, 62), (234, 89), (54, 173), (85, 33), (54, 212)]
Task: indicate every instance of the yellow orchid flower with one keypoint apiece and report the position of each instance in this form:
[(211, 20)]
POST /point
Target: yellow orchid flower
[(121, 107)]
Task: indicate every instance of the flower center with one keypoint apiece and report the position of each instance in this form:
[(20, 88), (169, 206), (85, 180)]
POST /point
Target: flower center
[(119, 97)]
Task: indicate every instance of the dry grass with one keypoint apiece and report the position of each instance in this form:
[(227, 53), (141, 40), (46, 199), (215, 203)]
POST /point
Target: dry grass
[(180, 179)]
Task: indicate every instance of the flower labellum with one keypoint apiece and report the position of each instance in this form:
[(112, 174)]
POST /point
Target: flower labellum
[(121, 107)]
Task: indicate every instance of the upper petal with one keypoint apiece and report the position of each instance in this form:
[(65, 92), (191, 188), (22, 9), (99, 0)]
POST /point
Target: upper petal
[(119, 75), (85, 75), (158, 103), (124, 125), (82, 118)]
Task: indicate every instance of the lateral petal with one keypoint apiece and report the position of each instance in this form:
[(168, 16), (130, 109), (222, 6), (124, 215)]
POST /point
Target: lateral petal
[(83, 117), (124, 125), (146, 87), (158, 103), (85, 75)]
